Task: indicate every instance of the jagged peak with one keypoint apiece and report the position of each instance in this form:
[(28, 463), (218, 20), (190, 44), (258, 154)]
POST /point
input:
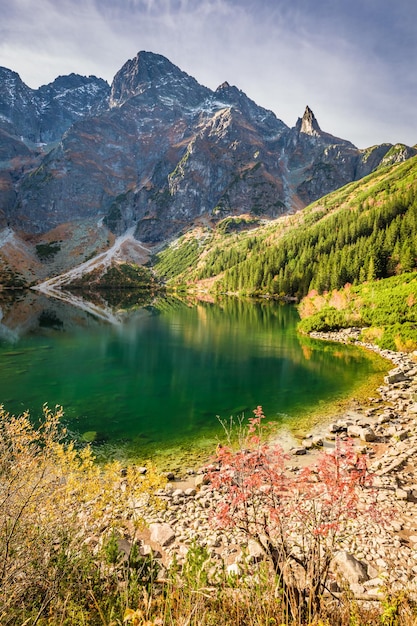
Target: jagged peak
[(144, 70), (223, 86), (8, 72), (12, 78), (235, 97), (145, 67), (308, 124), (147, 63), (72, 81)]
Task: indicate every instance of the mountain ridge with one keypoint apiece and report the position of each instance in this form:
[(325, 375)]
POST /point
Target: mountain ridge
[(155, 153)]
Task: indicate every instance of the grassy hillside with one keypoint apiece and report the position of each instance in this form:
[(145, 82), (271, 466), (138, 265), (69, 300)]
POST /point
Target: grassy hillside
[(387, 308), (365, 231)]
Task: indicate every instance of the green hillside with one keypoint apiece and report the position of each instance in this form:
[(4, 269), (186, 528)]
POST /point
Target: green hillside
[(386, 308), (364, 231)]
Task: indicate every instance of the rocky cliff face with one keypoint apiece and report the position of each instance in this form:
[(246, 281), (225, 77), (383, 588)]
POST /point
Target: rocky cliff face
[(157, 151), (32, 122), (43, 115)]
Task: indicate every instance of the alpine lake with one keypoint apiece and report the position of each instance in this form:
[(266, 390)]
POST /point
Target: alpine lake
[(148, 378)]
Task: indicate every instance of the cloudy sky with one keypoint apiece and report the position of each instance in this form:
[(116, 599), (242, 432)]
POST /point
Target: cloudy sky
[(352, 61)]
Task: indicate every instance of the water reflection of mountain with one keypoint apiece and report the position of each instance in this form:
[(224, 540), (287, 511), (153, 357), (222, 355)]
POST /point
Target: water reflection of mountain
[(28, 311), (268, 329), (243, 329)]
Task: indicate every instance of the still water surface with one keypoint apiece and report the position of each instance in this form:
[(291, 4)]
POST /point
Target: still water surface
[(157, 381)]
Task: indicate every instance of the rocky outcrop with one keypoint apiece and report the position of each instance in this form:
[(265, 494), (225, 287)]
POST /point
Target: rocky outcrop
[(308, 124)]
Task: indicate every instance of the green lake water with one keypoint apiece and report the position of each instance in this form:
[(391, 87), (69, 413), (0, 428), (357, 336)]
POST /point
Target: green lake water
[(153, 384)]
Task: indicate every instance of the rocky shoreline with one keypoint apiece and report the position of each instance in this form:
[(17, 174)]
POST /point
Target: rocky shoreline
[(375, 556)]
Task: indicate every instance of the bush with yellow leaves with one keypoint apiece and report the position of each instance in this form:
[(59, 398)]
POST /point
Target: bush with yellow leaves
[(56, 502)]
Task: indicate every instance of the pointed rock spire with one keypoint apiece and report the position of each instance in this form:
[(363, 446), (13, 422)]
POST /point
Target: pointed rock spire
[(308, 124)]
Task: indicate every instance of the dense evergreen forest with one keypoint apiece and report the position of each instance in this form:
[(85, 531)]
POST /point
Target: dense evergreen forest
[(362, 232)]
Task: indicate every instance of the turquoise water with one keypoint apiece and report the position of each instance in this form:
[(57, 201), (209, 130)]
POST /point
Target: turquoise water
[(158, 380)]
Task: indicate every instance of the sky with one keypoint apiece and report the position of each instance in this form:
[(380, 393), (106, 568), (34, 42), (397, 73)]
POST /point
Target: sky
[(353, 62)]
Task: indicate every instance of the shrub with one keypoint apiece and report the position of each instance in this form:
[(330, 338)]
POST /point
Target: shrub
[(387, 307), (327, 319), (46, 251), (298, 521), (55, 502)]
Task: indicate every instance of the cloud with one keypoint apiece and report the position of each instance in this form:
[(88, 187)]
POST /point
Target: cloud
[(56, 39)]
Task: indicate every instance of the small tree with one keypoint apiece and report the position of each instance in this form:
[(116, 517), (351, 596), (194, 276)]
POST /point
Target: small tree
[(298, 520)]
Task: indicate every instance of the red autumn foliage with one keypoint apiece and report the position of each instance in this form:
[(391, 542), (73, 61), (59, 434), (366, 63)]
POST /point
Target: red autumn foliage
[(298, 520)]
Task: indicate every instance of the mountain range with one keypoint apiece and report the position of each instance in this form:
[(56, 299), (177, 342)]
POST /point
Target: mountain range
[(152, 155)]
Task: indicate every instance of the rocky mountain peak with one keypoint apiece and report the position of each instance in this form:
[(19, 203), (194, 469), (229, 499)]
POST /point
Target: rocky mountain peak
[(308, 124), (223, 86), (168, 151), (17, 106), (10, 76), (72, 81), (149, 71), (231, 96)]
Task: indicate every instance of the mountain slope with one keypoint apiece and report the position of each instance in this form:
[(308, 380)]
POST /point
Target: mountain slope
[(364, 231), (157, 152), (27, 259)]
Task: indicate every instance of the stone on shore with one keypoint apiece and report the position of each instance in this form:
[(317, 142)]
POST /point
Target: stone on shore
[(364, 433), (162, 533), (299, 451), (201, 479), (395, 377), (352, 570)]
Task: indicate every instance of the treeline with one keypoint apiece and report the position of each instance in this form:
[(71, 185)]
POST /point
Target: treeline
[(352, 245), (175, 260)]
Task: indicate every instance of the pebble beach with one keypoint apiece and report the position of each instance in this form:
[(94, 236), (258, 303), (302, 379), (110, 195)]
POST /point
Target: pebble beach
[(375, 556)]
